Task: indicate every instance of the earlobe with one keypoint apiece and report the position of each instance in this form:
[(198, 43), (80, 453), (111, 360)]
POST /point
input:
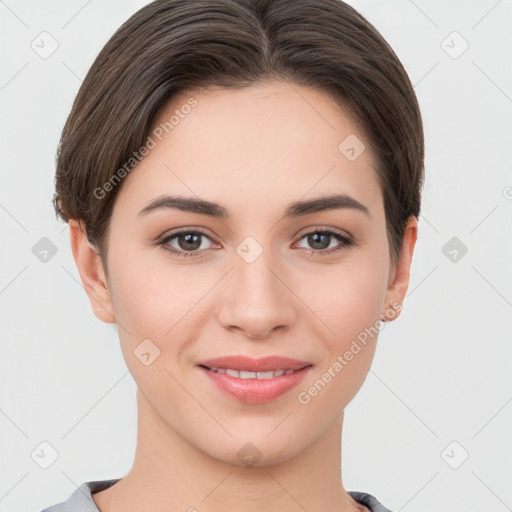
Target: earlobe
[(91, 272), (399, 283)]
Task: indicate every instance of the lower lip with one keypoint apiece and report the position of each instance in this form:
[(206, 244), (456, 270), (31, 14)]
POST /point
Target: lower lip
[(256, 391)]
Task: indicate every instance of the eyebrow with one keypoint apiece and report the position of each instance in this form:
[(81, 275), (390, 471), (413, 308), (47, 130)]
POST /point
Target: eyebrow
[(295, 209)]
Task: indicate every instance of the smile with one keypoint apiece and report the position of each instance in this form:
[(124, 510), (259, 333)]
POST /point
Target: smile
[(254, 381)]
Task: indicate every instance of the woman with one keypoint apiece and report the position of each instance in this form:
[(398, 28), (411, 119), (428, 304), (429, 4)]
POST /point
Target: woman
[(242, 182)]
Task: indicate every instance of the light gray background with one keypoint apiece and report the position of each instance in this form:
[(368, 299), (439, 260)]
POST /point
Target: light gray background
[(441, 372)]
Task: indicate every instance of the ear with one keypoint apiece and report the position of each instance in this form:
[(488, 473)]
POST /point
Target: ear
[(400, 273), (91, 271)]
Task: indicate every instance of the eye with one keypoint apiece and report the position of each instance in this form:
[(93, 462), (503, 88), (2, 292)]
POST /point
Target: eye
[(185, 242), (326, 241), (191, 242)]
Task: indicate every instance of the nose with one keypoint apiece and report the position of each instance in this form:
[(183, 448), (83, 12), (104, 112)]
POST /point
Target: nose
[(255, 298)]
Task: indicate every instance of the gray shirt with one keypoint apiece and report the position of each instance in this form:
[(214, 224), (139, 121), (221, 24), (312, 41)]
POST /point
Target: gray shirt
[(81, 500)]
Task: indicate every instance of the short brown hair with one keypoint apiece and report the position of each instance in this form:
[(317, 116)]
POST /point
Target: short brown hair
[(171, 46)]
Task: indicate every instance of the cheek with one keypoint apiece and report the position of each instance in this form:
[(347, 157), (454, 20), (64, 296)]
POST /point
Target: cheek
[(351, 310), (148, 302), (149, 296), (348, 297), (155, 314), (348, 301)]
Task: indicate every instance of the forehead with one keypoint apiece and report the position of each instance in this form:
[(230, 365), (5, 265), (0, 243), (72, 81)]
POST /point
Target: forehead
[(274, 142)]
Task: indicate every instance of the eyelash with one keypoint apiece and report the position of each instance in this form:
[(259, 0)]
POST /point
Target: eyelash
[(345, 242)]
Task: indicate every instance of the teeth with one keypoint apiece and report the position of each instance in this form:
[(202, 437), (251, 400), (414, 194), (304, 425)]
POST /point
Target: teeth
[(243, 374)]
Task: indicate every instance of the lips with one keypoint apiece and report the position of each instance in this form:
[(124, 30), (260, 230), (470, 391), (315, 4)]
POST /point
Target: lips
[(264, 364), (254, 381)]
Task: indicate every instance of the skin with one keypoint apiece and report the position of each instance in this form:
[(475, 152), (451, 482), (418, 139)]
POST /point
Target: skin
[(253, 151)]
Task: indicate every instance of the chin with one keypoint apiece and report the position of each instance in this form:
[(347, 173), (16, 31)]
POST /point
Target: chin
[(256, 451)]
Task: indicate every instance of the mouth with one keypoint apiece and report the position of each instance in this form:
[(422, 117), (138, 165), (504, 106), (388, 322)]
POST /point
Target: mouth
[(241, 363), (255, 381), (244, 374)]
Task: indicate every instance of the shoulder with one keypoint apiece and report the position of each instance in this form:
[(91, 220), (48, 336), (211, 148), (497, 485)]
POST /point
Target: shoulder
[(369, 501), (81, 499)]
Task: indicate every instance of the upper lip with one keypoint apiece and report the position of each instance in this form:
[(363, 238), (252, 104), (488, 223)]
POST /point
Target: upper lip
[(264, 364)]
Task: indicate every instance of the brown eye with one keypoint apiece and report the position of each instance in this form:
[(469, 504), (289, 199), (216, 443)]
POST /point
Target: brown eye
[(326, 241), (185, 242)]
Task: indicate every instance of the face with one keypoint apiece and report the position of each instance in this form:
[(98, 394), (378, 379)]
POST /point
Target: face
[(257, 275)]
